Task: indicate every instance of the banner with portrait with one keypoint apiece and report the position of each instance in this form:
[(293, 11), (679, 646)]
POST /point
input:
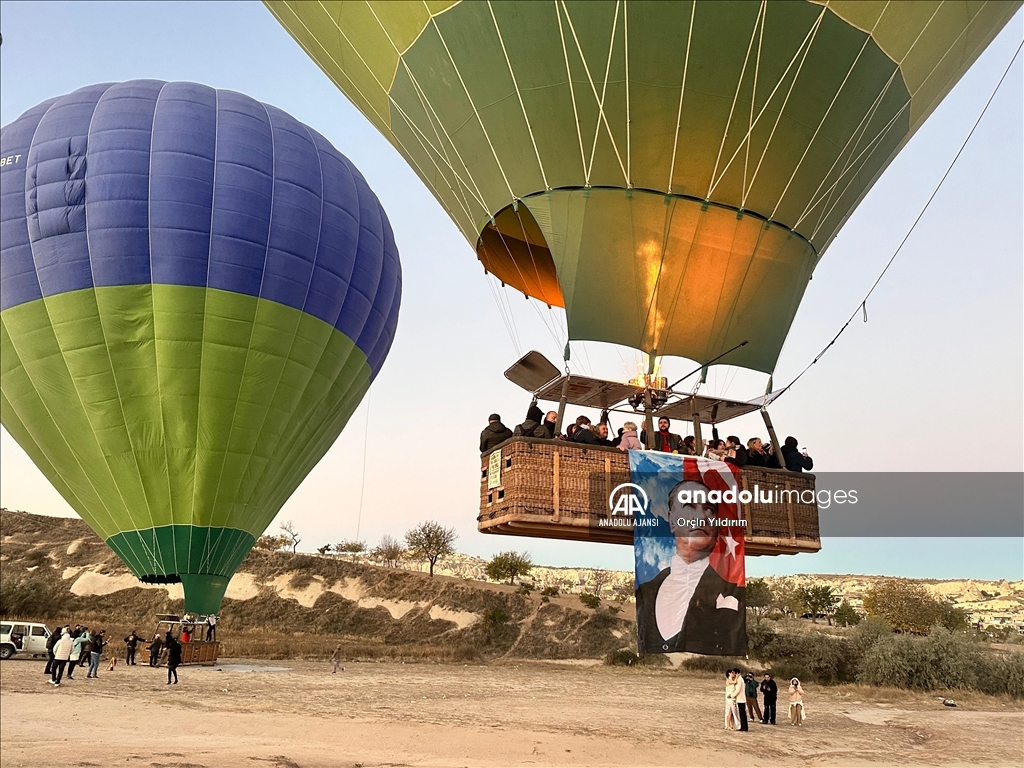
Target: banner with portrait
[(688, 540)]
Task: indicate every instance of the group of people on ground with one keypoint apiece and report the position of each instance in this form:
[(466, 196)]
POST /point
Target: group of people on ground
[(741, 700), (732, 450), (68, 648)]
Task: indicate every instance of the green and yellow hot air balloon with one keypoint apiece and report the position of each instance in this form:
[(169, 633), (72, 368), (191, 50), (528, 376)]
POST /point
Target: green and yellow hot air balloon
[(669, 172)]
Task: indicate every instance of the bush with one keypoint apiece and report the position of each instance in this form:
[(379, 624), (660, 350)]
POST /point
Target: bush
[(943, 660), (784, 671), (549, 591), (496, 617), (524, 589), (715, 664), (621, 658), (591, 601)]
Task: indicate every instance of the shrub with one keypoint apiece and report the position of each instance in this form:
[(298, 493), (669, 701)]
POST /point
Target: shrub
[(784, 671), (524, 589), (549, 591), (496, 617), (715, 664), (591, 601), (621, 658), (846, 616)]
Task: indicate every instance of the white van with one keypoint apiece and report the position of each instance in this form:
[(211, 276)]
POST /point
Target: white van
[(22, 637)]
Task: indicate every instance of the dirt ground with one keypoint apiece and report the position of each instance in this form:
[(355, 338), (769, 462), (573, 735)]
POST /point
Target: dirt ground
[(298, 715)]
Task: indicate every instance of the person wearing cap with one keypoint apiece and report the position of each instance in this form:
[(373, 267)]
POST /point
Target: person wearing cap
[(494, 434)]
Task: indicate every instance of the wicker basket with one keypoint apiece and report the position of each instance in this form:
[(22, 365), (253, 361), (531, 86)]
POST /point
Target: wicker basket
[(557, 490)]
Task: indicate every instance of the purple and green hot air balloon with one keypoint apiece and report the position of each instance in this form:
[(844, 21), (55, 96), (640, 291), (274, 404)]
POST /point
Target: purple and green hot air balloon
[(197, 290)]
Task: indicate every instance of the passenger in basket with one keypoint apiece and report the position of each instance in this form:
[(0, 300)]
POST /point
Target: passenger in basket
[(796, 460), (533, 426), (736, 453), (550, 425), (756, 455), (628, 441), (664, 440), (688, 449), (494, 434), (581, 421), (597, 434), (716, 450)]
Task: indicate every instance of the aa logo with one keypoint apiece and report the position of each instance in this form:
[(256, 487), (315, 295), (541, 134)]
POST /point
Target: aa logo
[(628, 499)]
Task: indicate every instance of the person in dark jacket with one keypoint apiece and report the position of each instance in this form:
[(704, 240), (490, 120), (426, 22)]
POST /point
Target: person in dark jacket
[(494, 434), (550, 425), (664, 440), (534, 424), (595, 435), (155, 649), (750, 686), (737, 454), (770, 692), (95, 646), (50, 642), (173, 657), (131, 643), (756, 456), (581, 423), (796, 461)]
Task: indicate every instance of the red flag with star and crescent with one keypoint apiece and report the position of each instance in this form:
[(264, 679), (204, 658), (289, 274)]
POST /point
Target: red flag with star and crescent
[(727, 556)]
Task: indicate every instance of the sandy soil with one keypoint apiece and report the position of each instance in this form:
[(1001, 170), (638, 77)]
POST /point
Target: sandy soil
[(297, 714)]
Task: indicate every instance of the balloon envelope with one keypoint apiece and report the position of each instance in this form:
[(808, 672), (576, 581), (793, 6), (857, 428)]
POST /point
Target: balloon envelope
[(669, 172), (197, 290)]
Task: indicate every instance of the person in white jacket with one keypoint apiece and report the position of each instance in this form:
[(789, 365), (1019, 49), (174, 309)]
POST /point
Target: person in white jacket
[(78, 643), (61, 655)]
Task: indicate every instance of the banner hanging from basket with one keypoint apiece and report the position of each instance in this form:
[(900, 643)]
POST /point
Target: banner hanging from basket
[(689, 547)]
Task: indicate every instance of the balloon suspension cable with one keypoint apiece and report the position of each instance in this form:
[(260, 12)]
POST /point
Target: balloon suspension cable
[(362, 481), (709, 362), (862, 306)]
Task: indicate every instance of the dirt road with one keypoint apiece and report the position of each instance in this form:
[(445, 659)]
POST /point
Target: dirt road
[(298, 715)]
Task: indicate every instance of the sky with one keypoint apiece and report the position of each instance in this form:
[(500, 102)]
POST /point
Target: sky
[(932, 382)]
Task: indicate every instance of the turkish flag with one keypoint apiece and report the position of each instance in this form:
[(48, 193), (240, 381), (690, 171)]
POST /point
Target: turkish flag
[(727, 556)]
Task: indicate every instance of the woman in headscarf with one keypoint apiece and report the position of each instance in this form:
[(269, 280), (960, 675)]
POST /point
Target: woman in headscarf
[(796, 702)]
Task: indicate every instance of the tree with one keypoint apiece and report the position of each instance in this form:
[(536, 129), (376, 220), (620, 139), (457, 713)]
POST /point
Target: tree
[(388, 551), (324, 549), (788, 598), (600, 579), (271, 543), (759, 598), (350, 547), (508, 565), (819, 599), (907, 607), (431, 541), (291, 534), (846, 616)]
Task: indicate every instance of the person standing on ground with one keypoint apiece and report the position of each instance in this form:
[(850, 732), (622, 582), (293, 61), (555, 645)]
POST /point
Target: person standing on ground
[(739, 695), (96, 646), (131, 643), (80, 638), (61, 656), (796, 702), (770, 692), (50, 642), (173, 657), (751, 690), (155, 648), (211, 628), (336, 659), (730, 709)]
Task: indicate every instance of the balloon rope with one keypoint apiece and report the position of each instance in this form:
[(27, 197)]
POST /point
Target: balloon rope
[(862, 306), (362, 481)]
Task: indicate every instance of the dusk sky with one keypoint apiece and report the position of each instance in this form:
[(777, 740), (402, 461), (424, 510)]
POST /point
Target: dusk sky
[(932, 382)]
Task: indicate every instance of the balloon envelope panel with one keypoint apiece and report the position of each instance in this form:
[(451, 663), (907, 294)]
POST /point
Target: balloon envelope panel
[(784, 111), (197, 291)]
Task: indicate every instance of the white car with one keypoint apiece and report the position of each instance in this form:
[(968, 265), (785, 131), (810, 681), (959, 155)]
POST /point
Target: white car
[(22, 637)]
